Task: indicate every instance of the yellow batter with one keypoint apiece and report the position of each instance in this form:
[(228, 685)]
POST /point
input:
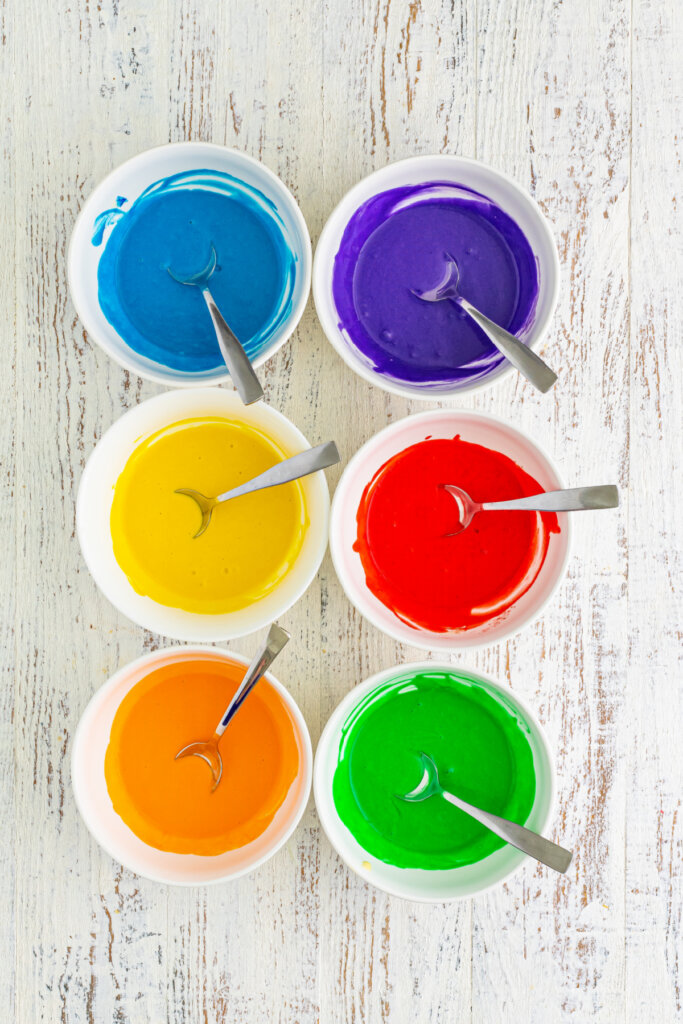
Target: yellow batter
[(251, 542)]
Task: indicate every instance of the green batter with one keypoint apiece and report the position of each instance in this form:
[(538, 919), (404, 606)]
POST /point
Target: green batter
[(480, 745)]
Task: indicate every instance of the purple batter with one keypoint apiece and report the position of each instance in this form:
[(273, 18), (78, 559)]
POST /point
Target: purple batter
[(397, 243)]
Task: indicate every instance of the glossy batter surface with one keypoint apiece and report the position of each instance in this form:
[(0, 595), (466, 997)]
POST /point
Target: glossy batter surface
[(399, 242), (169, 804), (250, 543), (481, 748), (173, 226), (438, 582)]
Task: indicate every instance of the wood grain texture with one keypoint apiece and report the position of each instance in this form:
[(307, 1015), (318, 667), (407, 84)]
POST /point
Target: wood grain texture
[(581, 103)]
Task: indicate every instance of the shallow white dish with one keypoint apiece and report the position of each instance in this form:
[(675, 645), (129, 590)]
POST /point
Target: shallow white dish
[(130, 179), (110, 831), (443, 423), (497, 186), (415, 883), (96, 493)]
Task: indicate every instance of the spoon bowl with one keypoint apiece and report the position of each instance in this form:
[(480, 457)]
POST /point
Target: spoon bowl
[(427, 786), (200, 278), (447, 288), (208, 751), (466, 508), (206, 507)]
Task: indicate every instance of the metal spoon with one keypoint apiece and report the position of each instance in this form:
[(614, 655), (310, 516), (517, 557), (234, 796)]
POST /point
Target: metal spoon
[(208, 750), (236, 359), (294, 468), (520, 355), (573, 499), (523, 839)]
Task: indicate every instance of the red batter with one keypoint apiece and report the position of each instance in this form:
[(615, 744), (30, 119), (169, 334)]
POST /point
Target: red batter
[(442, 583)]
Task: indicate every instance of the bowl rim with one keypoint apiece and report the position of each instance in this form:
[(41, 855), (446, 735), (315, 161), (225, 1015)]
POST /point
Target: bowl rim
[(324, 308), (88, 714), (334, 542), (184, 380), (340, 713), (102, 584)]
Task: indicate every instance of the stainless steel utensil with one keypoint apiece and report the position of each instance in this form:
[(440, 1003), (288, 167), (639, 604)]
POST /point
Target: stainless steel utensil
[(236, 359), (208, 749), (573, 499), (294, 468), (515, 351), (554, 856)]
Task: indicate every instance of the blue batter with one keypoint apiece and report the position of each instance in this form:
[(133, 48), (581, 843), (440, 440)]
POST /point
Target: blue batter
[(174, 224)]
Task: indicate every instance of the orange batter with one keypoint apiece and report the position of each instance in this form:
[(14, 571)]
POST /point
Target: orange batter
[(169, 804)]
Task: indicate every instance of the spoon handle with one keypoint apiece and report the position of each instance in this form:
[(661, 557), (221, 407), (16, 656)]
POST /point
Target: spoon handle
[(277, 638), (294, 468), (550, 854), (236, 359), (573, 499), (515, 351)]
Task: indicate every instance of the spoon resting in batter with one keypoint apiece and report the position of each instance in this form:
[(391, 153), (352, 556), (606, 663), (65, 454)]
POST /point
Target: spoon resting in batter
[(573, 499), (236, 359), (208, 749), (294, 468), (543, 850), (514, 350)]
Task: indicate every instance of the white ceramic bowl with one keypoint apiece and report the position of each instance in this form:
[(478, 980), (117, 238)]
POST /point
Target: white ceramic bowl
[(443, 423), (114, 836), (96, 493), (416, 883), (500, 188), (130, 180)]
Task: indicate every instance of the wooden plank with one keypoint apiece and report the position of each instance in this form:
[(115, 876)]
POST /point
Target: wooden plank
[(653, 839), (10, 498)]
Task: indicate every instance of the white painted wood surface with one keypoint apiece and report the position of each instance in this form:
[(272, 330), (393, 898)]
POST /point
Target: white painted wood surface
[(582, 102)]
